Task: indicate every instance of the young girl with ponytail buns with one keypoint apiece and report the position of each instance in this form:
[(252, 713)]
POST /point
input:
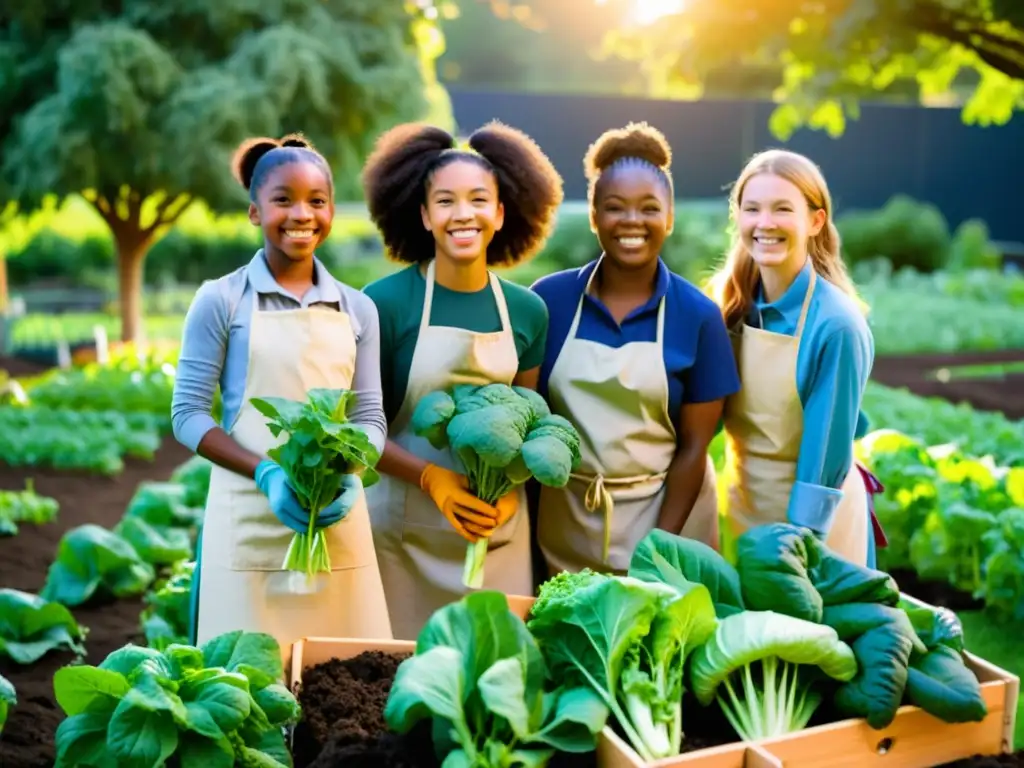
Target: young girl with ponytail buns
[(278, 327)]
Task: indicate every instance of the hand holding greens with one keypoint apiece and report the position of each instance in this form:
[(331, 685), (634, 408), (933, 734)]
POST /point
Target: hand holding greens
[(322, 448), (502, 436)]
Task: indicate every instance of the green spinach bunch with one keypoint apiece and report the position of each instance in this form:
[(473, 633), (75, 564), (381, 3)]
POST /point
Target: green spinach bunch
[(322, 448), (479, 675), (218, 706), (501, 436)]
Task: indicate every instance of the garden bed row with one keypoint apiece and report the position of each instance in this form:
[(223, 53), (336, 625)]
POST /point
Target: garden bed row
[(921, 374)]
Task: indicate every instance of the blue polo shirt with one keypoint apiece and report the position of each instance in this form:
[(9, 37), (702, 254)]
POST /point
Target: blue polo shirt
[(833, 365), (698, 356)]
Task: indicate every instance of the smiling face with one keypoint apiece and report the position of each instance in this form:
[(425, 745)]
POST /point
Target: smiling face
[(462, 210), (775, 221), (632, 215), (294, 208)]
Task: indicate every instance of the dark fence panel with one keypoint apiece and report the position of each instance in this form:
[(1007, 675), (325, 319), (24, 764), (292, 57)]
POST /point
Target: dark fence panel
[(928, 153)]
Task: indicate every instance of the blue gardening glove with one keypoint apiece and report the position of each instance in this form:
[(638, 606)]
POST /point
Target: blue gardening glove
[(351, 487), (273, 483)]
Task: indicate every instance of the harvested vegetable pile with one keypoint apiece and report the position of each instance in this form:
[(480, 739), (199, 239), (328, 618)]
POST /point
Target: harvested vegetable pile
[(792, 628), (501, 436)]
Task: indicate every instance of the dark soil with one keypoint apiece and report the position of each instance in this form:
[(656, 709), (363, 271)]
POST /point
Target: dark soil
[(343, 717), (343, 720), (988, 761), (914, 372), (28, 737), (937, 593)]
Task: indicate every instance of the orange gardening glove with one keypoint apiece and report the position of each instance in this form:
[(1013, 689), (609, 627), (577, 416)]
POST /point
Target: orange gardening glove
[(507, 506), (468, 515)]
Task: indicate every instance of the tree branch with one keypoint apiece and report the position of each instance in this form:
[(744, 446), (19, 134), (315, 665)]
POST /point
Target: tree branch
[(998, 51), (167, 211)]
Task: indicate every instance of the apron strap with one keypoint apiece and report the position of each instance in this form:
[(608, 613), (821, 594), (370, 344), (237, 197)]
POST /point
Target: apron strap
[(492, 279), (428, 298), (579, 304), (807, 302)]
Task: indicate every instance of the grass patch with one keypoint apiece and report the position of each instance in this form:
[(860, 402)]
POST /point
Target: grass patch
[(998, 643)]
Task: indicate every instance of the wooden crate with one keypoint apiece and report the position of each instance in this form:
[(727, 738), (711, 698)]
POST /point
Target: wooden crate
[(613, 752), (914, 739)]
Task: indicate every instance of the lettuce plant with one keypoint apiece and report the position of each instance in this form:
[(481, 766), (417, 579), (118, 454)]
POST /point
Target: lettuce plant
[(218, 706), (31, 627), (479, 674), (628, 640), (8, 698), (165, 618), (94, 561)]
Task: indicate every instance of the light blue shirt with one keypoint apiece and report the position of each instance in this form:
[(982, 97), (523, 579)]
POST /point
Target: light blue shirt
[(215, 347), (833, 365)]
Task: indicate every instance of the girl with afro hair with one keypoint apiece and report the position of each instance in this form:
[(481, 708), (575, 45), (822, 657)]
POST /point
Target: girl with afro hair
[(640, 361), (451, 214), (278, 327)]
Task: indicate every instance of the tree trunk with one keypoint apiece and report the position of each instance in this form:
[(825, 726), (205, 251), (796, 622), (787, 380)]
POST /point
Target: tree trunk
[(123, 214), (131, 254)]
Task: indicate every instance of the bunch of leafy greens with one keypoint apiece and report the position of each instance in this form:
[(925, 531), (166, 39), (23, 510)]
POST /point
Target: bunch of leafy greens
[(25, 507), (502, 436), (322, 449), (30, 627), (628, 640), (165, 619), (478, 673), (94, 561), (779, 696), (8, 698), (786, 569), (216, 707)]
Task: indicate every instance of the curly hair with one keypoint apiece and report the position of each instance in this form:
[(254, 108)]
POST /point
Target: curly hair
[(256, 157), (398, 173), (638, 145)]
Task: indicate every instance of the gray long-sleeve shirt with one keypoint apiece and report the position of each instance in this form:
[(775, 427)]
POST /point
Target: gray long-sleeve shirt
[(215, 347)]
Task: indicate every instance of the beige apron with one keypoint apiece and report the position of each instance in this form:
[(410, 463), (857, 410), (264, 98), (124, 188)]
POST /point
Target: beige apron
[(421, 556), (242, 585), (617, 398), (764, 424)]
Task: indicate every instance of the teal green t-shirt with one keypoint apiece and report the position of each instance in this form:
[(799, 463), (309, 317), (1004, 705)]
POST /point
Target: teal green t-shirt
[(399, 299)]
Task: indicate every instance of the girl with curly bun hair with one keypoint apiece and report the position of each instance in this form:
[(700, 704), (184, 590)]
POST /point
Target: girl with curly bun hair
[(639, 360), (451, 214), (805, 352), (278, 327)]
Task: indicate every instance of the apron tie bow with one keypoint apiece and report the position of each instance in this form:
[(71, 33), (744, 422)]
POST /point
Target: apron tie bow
[(598, 497)]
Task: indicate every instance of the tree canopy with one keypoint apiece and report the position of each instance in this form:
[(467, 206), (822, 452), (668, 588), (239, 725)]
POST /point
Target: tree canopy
[(138, 104), (832, 52)]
